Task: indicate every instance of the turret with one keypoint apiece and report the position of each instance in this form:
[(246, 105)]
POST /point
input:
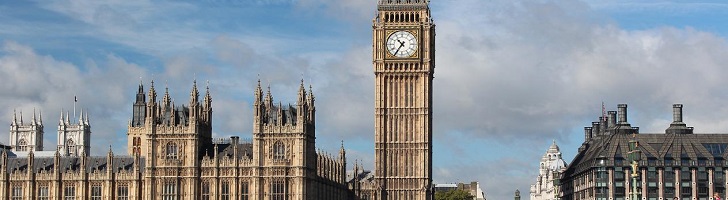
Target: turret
[(139, 112), (342, 160)]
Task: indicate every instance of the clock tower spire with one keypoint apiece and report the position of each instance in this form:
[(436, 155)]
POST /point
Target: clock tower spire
[(404, 63)]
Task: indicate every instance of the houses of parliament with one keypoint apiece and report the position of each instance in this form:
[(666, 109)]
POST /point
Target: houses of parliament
[(171, 153)]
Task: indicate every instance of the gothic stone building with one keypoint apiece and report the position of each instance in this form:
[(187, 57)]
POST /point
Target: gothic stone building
[(677, 163), (172, 155)]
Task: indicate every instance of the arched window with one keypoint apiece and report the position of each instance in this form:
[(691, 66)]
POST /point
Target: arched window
[(279, 151), (22, 145), (171, 151), (71, 147)]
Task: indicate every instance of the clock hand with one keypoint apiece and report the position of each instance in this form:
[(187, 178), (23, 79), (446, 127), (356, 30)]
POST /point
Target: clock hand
[(401, 44)]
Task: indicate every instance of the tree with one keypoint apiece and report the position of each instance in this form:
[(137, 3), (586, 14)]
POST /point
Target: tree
[(453, 195)]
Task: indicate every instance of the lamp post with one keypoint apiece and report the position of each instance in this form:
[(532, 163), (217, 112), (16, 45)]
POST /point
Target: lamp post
[(634, 155)]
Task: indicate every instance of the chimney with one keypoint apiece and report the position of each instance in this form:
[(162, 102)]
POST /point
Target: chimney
[(677, 113), (622, 113), (612, 117), (678, 126), (587, 134), (595, 129)]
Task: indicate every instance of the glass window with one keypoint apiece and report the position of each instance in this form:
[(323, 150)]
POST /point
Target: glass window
[(225, 190), (43, 192), (244, 190), (17, 193), (172, 151), (205, 190), (122, 192), (279, 151), (278, 190), (169, 191), (96, 192), (69, 193)]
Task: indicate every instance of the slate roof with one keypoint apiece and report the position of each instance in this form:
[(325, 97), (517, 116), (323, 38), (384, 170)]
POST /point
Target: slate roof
[(73, 164), (657, 149)]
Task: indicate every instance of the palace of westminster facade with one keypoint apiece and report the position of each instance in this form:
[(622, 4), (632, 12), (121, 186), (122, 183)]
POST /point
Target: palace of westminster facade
[(171, 153)]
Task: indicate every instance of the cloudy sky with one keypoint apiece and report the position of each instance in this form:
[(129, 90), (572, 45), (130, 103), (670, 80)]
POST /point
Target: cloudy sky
[(511, 75)]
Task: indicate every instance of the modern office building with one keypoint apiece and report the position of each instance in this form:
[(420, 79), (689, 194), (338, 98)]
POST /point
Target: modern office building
[(676, 163)]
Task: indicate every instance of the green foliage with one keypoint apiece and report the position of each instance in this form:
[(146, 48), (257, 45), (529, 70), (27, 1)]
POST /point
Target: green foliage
[(453, 195)]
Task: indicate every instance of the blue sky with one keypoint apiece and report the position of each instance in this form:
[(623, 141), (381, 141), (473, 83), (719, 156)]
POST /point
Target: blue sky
[(512, 75)]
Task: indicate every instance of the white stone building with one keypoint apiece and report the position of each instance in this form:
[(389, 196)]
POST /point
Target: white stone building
[(550, 168)]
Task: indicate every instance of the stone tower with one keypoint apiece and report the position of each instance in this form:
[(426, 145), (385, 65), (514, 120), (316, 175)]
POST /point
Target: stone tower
[(74, 139), (404, 63), (172, 140), (26, 137), (284, 138)]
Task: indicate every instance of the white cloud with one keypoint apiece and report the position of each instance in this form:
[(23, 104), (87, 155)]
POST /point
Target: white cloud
[(49, 85)]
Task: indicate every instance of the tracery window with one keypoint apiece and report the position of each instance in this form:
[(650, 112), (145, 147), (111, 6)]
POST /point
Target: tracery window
[(122, 192), (172, 151), (69, 192), (43, 192), (225, 190), (17, 193), (96, 192), (279, 151), (71, 147), (205, 190), (22, 145), (278, 190), (169, 191), (244, 190)]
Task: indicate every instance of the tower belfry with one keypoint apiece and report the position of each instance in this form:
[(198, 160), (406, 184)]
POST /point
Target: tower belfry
[(404, 63)]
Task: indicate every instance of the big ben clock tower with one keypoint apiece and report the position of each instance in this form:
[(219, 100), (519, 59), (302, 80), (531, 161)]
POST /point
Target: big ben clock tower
[(404, 63)]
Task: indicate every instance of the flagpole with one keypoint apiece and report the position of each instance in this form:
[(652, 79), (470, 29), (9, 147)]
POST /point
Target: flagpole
[(75, 99)]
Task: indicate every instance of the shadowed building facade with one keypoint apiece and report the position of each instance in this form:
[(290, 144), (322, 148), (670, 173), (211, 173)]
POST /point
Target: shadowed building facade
[(404, 63), (172, 155), (677, 163)]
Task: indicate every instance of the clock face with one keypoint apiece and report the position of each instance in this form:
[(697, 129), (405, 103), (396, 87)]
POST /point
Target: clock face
[(402, 44)]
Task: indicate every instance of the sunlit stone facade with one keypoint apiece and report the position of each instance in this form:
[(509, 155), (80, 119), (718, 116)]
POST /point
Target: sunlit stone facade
[(172, 155)]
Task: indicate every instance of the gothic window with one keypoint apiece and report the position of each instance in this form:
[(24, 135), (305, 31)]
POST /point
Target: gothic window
[(17, 193), (278, 190), (71, 147), (169, 191), (279, 151), (22, 145), (244, 190), (43, 192), (136, 143), (205, 190), (172, 151), (96, 192), (69, 192), (225, 190), (122, 192)]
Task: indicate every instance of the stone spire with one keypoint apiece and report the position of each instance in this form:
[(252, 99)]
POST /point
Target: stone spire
[(208, 98), (152, 93), (86, 118), (194, 94), (15, 119), (301, 94), (40, 117), (33, 121), (166, 100)]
